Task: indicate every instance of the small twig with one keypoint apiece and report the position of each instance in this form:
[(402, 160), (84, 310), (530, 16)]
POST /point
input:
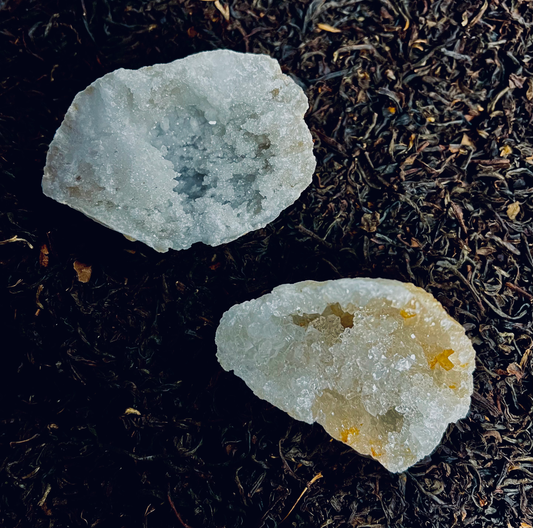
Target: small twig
[(306, 489), (36, 435), (15, 239), (330, 141), (285, 463), (517, 289), (528, 251), (224, 9), (462, 278), (486, 404), (493, 162), (459, 215), (314, 236), (184, 524)]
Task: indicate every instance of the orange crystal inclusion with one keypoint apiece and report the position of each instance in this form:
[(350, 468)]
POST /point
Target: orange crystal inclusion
[(442, 360), (346, 433)]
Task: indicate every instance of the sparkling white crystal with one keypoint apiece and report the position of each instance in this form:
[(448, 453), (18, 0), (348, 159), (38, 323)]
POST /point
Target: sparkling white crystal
[(378, 363), (205, 148)]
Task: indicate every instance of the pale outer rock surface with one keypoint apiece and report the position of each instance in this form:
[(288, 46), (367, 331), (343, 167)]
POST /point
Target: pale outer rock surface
[(205, 148), (377, 362)]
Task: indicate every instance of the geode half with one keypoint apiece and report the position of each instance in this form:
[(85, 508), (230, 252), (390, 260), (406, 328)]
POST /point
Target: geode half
[(378, 363), (205, 148)]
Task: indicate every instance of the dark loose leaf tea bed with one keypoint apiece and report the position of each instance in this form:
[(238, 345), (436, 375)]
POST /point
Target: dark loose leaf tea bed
[(115, 411)]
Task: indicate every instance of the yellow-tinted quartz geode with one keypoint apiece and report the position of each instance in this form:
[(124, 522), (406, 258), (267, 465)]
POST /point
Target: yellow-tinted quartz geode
[(378, 363)]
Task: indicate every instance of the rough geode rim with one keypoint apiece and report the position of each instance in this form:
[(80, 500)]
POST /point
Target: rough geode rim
[(279, 308), (289, 195)]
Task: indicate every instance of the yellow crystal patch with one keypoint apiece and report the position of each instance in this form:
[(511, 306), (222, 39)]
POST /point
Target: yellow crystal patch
[(346, 318), (346, 433), (442, 360), (407, 314), (374, 453)]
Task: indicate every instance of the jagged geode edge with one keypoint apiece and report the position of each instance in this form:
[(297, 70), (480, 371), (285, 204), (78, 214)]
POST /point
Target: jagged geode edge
[(286, 187), (309, 296)]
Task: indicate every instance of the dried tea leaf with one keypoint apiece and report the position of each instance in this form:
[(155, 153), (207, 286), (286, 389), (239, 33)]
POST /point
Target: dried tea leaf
[(224, 9), (516, 81), (83, 271), (370, 221), (466, 141), (529, 92), (15, 239), (479, 15), (327, 27), (514, 370), (513, 210), (495, 434), (505, 151), (484, 251), (44, 256), (37, 295)]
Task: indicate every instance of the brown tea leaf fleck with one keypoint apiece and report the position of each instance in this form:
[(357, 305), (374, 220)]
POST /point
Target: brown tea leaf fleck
[(516, 81), (44, 256), (370, 221), (37, 295), (514, 370), (495, 434), (327, 27), (485, 251), (479, 15), (466, 141), (513, 210), (529, 92), (505, 151), (83, 271)]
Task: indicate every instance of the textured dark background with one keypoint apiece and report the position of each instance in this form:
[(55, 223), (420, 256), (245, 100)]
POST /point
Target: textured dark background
[(421, 115)]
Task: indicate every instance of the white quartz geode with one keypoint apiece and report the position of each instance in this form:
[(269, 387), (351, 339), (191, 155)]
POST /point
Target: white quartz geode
[(378, 363), (205, 148)]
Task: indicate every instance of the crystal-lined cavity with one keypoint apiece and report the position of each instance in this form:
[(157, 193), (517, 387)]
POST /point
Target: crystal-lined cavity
[(378, 363), (203, 149)]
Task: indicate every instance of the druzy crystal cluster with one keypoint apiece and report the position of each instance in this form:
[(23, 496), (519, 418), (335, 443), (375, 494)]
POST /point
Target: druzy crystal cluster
[(205, 148), (378, 363)]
